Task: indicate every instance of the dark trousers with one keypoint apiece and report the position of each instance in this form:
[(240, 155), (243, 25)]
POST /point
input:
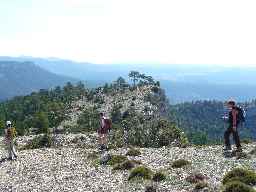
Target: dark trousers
[(235, 137)]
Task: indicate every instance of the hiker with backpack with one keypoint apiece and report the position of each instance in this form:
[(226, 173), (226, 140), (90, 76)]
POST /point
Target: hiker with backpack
[(105, 126), (235, 119), (10, 134)]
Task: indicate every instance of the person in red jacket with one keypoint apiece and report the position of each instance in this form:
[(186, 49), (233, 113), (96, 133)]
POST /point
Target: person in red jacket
[(105, 125), (234, 123)]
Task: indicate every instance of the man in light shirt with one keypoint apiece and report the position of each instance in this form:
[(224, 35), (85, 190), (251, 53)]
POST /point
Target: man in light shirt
[(10, 134)]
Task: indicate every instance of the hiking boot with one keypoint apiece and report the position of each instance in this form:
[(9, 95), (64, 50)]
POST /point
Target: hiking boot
[(227, 148)]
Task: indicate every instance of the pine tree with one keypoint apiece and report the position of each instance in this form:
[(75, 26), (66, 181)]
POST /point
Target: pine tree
[(134, 75), (42, 122)]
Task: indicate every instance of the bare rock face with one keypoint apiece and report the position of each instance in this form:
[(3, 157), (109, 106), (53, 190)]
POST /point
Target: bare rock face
[(74, 165)]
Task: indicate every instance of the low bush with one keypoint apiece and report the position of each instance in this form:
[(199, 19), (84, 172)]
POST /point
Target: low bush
[(201, 185), (237, 186), (180, 163), (127, 165), (142, 172), (196, 178), (117, 159), (247, 141), (159, 176), (242, 155), (38, 142), (135, 131), (116, 140), (242, 175), (150, 188), (133, 152)]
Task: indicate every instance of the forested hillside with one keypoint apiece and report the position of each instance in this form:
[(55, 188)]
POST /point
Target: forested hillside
[(138, 111), (21, 78), (42, 109), (203, 123)]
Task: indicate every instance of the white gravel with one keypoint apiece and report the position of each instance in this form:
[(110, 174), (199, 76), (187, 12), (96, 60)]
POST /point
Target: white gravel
[(67, 168)]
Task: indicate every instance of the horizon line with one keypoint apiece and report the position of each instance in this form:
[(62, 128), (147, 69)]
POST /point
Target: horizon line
[(127, 63)]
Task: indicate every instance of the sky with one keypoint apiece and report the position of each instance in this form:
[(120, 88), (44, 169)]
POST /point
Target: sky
[(221, 32)]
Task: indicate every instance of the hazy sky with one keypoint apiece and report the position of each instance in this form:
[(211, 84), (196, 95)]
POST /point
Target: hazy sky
[(131, 31)]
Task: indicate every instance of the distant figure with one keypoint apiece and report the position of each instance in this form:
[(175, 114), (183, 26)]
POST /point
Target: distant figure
[(10, 134), (105, 126), (235, 119)]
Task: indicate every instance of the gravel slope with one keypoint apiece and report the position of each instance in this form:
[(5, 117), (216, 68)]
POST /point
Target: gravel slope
[(68, 168)]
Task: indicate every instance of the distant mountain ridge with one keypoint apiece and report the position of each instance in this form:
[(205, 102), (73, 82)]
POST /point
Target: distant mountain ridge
[(21, 78), (181, 82)]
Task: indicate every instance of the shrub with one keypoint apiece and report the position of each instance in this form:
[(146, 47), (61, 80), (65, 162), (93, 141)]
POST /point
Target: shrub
[(196, 178), (117, 159), (127, 165), (150, 188), (39, 142), (237, 186), (242, 175), (142, 172), (154, 132), (242, 155), (116, 140), (167, 133), (201, 185), (134, 130), (180, 163), (93, 155), (159, 176), (133, 152), (183, 140), (246, 141)]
